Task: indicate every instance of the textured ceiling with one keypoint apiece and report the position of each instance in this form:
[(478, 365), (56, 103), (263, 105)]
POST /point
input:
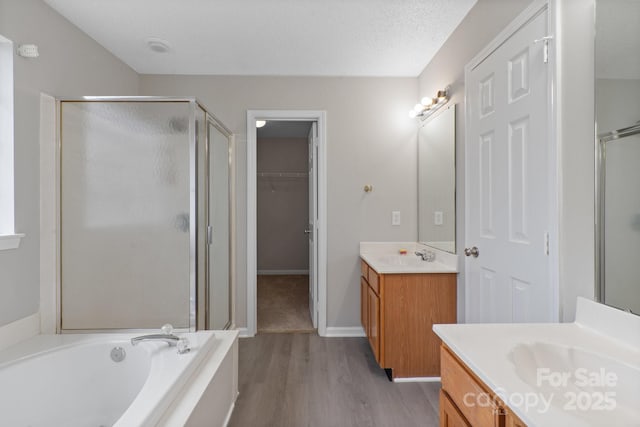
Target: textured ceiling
[(271, 37)]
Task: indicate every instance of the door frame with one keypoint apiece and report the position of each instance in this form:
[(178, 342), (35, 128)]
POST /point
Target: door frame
[(554, 173), (252, 210)]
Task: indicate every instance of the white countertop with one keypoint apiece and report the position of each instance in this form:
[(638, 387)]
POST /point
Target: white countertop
[(385, 258), (514, 361)]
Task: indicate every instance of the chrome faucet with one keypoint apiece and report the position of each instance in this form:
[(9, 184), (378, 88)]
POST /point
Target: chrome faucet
[(426, 255), (170, 339), (167, 336)]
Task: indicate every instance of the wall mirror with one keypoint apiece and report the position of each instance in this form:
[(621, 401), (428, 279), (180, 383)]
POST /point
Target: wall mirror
[(618, 126), (437, 181)]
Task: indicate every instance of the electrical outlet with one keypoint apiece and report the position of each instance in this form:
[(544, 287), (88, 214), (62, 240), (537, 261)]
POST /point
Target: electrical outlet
[(437, 217), (395, 218)]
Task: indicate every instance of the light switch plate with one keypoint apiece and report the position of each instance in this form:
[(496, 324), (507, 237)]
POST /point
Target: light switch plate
[(395, 218), (437, 217)]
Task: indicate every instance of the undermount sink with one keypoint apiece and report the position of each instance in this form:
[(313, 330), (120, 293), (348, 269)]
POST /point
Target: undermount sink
[(400, 260), (575, 380)]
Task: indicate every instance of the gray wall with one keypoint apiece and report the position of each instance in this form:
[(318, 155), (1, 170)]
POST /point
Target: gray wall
[(283, 205), (370, 140), (483, 23), (575, 108), (70, 63)]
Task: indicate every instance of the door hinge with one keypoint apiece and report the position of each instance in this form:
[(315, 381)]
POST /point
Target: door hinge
[(546, 243), (209, 235), (545, 51)]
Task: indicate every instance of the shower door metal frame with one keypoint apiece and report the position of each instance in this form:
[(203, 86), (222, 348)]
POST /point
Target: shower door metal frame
[(601, 176), (193, 201), (211, 119)]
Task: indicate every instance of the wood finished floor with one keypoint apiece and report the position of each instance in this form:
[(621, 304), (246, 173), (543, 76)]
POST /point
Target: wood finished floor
[(303, 380)]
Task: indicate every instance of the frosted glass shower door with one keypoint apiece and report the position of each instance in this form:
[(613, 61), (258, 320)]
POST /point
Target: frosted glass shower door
[(126, 208), (219, 277), (621, 238)]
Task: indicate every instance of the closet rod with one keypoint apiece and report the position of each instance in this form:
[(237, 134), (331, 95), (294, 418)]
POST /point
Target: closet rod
[(283, 174)]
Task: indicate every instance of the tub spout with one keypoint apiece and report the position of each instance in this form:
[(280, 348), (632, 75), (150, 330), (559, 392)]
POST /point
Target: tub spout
[(170, 339), (166, 336)]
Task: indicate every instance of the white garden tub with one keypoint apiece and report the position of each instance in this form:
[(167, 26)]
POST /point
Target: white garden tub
[(71, 380)]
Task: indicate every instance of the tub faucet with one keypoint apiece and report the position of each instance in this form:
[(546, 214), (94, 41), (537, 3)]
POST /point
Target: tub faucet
[(170, 339), (167, 336)]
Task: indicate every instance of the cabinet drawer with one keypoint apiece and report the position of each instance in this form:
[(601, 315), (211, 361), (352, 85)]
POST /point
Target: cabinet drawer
[(373, 281), (472, 399), (364, 269), (450, 415)]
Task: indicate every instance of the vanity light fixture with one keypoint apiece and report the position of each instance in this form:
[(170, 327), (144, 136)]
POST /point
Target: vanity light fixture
[(428, 106), (28, 50)]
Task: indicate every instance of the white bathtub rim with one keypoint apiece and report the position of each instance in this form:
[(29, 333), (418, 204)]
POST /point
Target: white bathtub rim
[(184, 403), (42, 345), (152, 401)]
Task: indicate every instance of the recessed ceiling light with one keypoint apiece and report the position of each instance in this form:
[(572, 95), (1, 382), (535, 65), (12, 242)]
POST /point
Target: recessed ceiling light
[(158, 45)]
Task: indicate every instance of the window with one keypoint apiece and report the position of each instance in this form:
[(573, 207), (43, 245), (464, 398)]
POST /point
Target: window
[(8, 237)]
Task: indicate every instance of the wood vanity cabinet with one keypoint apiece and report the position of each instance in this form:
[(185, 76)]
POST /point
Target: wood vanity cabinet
[(466, 401), (398, 312)]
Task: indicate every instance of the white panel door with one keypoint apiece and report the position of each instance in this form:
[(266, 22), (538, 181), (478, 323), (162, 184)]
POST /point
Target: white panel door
[(507, 197), (313, 218)]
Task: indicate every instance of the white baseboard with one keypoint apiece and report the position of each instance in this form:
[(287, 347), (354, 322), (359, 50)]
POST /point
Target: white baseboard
[(338, 332), (19, 330), (417, 380), (282, 272), (229, 414), (332, 332)]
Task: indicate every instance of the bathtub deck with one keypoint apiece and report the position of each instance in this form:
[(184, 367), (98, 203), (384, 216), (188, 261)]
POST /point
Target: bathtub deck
[(304, 380)]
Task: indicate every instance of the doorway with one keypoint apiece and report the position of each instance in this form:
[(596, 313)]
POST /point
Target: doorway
[(286, 236), (285, 166)]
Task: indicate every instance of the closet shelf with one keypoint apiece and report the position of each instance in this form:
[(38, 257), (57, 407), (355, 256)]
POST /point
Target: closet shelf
[(283, 175)]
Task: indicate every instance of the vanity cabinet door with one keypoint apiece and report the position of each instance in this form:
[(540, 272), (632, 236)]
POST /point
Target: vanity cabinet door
[(374, 281), (364, 305), (450, 416), (374, 322), (462, 386), (513, 421), (364, 269)]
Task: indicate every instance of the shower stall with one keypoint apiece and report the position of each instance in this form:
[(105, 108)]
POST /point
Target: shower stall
[(145, 221), (618, 218)]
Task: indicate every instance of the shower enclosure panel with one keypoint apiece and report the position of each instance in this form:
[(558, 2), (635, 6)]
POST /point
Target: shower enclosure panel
[(219, 260), (619, 218), (128, 181)]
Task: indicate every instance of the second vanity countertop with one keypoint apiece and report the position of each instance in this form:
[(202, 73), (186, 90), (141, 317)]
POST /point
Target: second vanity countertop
[(538, 370), (385, 258)]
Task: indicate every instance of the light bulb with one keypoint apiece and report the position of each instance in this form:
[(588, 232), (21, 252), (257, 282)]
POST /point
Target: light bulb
[(260, 123), (426, 101), (418, 108)]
